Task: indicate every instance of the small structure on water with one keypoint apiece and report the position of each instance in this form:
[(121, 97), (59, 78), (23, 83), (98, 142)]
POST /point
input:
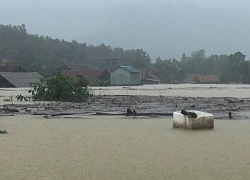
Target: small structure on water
[(193, 120)]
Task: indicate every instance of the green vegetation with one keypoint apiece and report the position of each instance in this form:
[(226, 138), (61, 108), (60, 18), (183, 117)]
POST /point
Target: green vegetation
[(44, 55), (20, 97), (60, 88), (232, 68)]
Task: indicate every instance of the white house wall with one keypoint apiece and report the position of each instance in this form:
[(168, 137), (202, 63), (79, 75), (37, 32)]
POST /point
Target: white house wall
[(120, 77), (134, 78)]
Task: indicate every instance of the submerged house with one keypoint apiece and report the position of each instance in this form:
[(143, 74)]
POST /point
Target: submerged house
[(18, 79), (109, 63), (12, 69), (75, 67), (202, 79), (124, 76), (92, 76), (148, 78)]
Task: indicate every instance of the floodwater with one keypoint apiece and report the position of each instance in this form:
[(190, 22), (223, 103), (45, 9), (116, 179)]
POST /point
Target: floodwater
[(187, 90), (96, 147)]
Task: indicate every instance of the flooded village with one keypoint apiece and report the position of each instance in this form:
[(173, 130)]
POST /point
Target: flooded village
[(109, 90), (95, 139)]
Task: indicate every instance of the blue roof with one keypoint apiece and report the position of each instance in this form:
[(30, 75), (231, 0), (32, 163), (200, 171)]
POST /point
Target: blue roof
[(130, 69)]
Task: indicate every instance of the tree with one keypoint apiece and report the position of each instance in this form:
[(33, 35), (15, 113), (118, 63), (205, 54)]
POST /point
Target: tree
[(60, 88), (184, 58), (142, 59), (236, 65), (168, 71)]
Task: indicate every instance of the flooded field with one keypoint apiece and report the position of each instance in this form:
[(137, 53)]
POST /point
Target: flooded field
[(187, 90), (104, 147)]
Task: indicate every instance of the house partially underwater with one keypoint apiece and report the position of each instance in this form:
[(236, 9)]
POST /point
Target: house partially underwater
[(147, 77), (18, 79), (16, 76), (93, 76), (124, 76), (12, 69), (202, 79)]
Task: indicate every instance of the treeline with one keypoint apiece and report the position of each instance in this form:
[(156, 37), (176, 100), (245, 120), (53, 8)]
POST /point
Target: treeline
[(229, 68), (45, 55)]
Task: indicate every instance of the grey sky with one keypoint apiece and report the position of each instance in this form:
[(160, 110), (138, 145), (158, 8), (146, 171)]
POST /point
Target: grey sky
[(165, 28)]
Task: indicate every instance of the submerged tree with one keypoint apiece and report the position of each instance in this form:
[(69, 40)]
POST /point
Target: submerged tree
[(60, 88)]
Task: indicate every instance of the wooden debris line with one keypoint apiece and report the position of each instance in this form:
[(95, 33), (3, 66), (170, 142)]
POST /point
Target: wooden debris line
[(138, 114), (143, 105)]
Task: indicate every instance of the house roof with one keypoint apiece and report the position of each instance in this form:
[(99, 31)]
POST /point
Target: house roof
[(127, 68), (190, 78), (208, 78), (75, 67), (78, 67), (11, 68), (200, 78), (21, 79), (145, 74), (130, 69), (90, 75)]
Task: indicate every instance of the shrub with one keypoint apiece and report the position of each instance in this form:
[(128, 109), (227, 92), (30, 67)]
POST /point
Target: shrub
[(20, 97), (60, 88)]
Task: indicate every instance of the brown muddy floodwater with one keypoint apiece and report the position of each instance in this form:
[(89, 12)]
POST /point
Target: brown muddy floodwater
[(103, 147)]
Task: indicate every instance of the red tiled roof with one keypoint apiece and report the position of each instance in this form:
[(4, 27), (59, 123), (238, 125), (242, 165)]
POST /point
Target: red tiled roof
[(78, 67), (90, 75), (11, 68), (208, 78), (190, 78), (200, 78)]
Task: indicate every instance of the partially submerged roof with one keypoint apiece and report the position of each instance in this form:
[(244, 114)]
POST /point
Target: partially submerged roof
[(145, 74), (75, 67), (90, 75), (128, 68), (190, 78), (208, 78), (201, 78), (19, 79), (12, 69)]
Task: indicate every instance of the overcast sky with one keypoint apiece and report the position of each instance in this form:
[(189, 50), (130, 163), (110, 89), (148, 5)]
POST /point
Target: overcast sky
[(165, 28)]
